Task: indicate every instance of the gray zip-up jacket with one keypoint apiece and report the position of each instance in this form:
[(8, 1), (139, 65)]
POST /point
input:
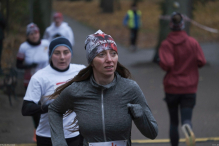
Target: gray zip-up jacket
[(102, 111)]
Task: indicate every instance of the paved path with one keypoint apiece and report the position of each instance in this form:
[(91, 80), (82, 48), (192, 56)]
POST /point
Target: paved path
[(14, 128)]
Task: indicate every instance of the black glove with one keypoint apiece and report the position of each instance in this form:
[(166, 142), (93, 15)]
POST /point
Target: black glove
[(136, 110), (20, 65), (45, 108), (30, 66)]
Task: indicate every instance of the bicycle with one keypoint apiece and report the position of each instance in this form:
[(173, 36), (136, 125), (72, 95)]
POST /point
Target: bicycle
[(9, 82)]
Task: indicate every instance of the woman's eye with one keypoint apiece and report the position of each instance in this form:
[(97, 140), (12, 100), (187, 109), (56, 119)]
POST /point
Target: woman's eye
[(66, 52), (100, 54), (56, 53), (113, 53)]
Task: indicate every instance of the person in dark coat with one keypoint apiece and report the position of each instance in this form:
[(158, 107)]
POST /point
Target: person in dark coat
[(2, 27)]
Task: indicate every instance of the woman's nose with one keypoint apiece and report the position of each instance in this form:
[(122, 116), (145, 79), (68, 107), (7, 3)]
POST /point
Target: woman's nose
[(108, 57), (62, 55)]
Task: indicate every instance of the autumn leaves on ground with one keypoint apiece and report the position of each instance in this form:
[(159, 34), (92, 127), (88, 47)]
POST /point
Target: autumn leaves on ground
[(90, 14)]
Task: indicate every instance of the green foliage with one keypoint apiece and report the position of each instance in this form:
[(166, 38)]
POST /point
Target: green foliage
[(16, 13), (202, 1)]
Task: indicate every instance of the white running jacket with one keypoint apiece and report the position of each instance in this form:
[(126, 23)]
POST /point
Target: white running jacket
[(63, 30)]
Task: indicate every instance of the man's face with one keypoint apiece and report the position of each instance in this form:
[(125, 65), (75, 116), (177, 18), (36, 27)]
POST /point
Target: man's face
[(58, 21), (34, 36), (134, 8)]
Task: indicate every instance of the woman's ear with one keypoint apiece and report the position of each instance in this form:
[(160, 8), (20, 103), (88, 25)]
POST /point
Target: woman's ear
[(91, 64)]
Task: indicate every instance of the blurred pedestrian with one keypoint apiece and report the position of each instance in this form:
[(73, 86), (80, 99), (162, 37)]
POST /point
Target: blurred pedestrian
[(59, 28), (180, 56), (103, 98), (44, 83), (133, 21), (2, 27), (32, 56)]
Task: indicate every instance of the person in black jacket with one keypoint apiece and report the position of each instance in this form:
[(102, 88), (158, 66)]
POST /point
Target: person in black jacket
[(2, 27)]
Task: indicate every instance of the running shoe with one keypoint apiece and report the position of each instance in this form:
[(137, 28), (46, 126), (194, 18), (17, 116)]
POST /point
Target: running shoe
[(190, 136)]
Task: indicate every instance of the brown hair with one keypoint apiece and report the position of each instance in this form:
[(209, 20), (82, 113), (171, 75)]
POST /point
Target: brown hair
[(83, 75), (176, 19)]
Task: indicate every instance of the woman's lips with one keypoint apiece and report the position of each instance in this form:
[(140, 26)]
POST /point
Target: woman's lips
[(109, 68)]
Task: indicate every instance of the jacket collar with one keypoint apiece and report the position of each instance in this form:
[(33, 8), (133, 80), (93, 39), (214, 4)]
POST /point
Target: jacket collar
[(113, 83)]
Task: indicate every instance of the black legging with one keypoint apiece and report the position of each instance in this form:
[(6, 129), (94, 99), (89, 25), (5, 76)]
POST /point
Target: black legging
[(186, 102), (46, 141), (133, 36)]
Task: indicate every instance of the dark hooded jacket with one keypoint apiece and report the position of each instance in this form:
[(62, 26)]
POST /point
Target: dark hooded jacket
[(181, 56)]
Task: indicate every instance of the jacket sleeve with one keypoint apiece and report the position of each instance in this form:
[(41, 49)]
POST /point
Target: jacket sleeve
[(29, 108), (20, 64), (200, 56), (125, 20), (166, 56), (146, 124), (71, 36), (32, 98), (56, 110)]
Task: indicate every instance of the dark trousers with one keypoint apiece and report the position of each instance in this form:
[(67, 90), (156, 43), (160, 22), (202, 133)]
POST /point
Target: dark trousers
[(45, 141), (186, 103), (133, 36)]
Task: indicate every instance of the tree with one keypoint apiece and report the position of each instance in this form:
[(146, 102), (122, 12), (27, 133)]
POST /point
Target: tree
[(40, 11), (107, 6), (168, 7), (15, 13)]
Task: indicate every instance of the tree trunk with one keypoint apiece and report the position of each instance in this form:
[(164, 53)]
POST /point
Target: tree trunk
[(41, 13), (107, 6), (168, 7), (118, 5), (7, 16), (101, 3), (136, 1)]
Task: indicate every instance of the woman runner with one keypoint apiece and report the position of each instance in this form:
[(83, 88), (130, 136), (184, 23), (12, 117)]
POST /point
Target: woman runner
[(103, 98)]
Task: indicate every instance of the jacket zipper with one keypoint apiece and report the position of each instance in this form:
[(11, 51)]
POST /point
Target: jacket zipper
[(103, 121)]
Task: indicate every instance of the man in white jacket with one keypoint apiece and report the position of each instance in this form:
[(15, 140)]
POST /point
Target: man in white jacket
[(59, 28)]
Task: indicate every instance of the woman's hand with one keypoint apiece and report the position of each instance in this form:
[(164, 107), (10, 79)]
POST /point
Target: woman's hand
[(136, 110)]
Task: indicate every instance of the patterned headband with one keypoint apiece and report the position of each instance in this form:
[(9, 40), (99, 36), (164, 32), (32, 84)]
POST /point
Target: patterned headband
[(98, 42)]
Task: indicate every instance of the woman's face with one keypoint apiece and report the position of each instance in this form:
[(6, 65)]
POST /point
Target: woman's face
[(61, 57), (34, 36), (105, 63)]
